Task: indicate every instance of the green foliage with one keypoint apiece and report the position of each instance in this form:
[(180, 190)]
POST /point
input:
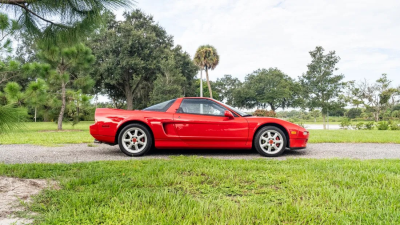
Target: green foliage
[(320, 86), (393, 125), (315, 113), (264, 113), (207, 58), (171, 83), (56, 22), (132, 54), (345, 123), (215, 92), (369, 125), (377, 97), (383, 125), (64, 69), (11, 118), (359, 126), (7, 28), (266, 87), (353, 113), (226, 87)]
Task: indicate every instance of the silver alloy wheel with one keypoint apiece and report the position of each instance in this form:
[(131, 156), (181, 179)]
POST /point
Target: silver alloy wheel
[(134, 140), (271, 141)]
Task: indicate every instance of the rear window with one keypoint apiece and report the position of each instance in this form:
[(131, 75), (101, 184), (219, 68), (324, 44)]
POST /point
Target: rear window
[(161, 107)]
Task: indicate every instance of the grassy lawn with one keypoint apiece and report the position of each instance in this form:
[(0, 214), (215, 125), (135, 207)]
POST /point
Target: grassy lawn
[(354, 136), (32, 133), (192, 190)]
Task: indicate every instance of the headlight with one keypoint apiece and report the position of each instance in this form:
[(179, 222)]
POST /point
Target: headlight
[(305, 133)]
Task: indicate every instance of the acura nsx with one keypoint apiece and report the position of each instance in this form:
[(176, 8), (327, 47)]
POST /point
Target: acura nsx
[(194, 123)]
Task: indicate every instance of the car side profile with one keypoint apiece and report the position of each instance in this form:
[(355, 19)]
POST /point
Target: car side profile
[(194, 123)]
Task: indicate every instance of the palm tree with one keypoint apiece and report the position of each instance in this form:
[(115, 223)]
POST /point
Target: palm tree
[(206, 58)]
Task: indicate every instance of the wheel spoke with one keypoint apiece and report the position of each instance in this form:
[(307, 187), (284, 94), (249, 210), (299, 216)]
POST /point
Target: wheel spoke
[(264, 138), (263, 145), (127, 140), (276, 134), (269, 134), (278, 141)]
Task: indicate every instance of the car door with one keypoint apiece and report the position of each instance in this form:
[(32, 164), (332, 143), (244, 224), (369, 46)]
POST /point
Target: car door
[(201, 123)]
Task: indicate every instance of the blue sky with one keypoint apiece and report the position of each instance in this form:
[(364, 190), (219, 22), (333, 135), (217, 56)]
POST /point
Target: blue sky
[(252, 34)]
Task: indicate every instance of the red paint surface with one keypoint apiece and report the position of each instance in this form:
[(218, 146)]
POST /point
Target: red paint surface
[(180, 130)]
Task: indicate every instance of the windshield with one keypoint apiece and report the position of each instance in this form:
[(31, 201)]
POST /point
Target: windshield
[(161, 107), (233, 109)]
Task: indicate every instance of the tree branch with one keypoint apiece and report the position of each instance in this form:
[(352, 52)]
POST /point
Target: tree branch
[(33, 13)]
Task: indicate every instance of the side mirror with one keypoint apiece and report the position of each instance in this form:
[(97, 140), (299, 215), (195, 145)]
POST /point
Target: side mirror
[(228, 114)]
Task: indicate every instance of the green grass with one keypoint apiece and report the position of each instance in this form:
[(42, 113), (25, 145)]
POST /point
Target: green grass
[(192, 190), (30, 133), (354, 136), (321, 123)]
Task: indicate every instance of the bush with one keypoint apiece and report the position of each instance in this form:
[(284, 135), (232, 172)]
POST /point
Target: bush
[(353, 113), (369, 125), (359, 126), (264, 113), (345, 123), (383, 125), (393, 125)]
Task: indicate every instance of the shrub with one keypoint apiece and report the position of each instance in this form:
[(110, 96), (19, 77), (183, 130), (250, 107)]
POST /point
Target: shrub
[(369, 125), (383, 125), (359, 126), (353, 113), (345, 123), (264, 113), (393, 125)]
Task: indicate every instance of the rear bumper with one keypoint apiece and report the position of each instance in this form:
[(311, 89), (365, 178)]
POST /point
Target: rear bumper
[(94, 131), (298, 143)]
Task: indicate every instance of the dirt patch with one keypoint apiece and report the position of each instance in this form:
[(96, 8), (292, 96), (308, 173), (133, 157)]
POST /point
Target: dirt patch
[(59, 130), (15, 190)]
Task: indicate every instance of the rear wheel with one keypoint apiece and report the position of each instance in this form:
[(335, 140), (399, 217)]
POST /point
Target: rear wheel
[(135, 140), (270, 141)]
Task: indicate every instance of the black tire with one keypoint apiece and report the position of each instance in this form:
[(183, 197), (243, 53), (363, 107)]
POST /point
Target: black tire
[(139, 145), (270, 149)]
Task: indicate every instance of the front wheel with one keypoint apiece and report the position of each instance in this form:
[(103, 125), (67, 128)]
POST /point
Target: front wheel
[(135, 140), (270, 141)]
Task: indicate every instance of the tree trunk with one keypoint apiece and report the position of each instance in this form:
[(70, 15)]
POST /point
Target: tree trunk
[(315, 119), (129, 97), (208, 83), (61, 116), (201, 83), (376, 117), (272, 107), (324, 119), (35, 113)]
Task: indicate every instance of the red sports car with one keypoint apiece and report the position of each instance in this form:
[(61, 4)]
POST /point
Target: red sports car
[(194, 123)]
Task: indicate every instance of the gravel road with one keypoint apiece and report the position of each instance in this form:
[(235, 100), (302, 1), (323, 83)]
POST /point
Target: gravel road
[(83, 153)]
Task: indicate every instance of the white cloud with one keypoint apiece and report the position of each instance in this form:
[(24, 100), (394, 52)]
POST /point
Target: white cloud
[(277, 33)]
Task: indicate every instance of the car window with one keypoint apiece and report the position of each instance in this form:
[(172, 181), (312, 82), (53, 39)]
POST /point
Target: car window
[(161, 107), (201, 106)]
